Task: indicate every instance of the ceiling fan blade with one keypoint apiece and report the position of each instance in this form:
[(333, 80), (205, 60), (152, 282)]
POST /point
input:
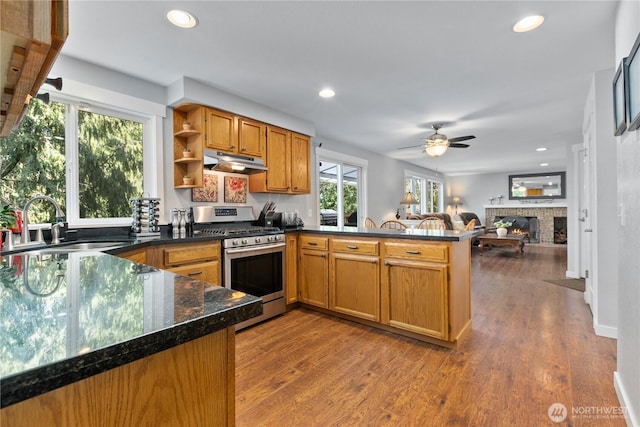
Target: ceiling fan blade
[(413, 146), (461, 138), (457, 145)]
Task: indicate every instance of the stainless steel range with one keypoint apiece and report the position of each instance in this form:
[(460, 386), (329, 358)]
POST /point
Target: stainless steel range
[(253, 256)]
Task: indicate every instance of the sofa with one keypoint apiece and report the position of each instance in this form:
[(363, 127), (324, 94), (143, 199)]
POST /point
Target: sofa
[(465, 217)]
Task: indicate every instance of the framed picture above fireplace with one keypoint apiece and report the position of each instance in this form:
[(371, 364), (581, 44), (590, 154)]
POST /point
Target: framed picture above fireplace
[(546, 185)]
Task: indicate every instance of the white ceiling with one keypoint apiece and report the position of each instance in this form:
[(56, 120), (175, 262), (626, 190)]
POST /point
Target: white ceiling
[(396, 67)]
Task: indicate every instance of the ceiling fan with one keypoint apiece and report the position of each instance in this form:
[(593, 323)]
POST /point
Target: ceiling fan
[(437, 144)]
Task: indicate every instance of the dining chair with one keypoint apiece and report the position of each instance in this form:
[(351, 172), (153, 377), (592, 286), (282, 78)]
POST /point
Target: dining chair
[(432, 223), (471, 225), (369, 223), (393, 224)]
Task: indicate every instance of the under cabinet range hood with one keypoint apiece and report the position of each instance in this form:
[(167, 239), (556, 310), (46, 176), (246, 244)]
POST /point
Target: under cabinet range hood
[(234, 163)]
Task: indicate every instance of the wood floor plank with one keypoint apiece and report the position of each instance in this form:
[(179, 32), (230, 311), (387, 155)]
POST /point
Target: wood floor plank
[(532, 345)]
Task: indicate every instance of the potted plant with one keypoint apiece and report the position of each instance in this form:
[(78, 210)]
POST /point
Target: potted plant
[(501, 227), (186, 125), (7, 217), (187, 180), (187, 152)]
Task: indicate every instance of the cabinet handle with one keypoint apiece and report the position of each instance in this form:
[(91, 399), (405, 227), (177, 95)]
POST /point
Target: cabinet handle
[(312, 243), (323, 255), (374, 261), (233, 146), (352, 247), (386, 263), (195, 273), (244, 149), (413, 252)]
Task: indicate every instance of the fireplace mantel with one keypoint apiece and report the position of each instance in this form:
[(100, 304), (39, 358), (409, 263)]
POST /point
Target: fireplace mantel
[(527, 205)]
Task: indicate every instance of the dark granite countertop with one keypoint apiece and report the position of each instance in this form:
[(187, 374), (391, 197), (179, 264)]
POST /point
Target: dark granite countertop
[(408, 233), (67, 316)]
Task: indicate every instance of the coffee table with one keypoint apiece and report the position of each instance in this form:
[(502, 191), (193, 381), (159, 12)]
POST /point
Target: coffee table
[(512, 240)]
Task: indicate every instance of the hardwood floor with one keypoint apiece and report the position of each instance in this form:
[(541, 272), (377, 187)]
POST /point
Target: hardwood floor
[(532, 345)]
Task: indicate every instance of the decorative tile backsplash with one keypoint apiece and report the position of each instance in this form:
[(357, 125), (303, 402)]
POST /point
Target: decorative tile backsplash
[(545, 217)]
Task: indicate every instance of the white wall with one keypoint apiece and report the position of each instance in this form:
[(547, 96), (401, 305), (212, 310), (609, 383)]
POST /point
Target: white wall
[(476, 190), (627, 376), (604, 272)]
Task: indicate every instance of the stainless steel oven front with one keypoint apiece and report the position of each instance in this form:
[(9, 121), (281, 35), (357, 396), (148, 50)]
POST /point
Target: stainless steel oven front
[(255, 265)]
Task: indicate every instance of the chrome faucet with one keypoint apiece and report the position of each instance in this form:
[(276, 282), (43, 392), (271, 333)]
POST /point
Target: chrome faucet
[(25, 238)]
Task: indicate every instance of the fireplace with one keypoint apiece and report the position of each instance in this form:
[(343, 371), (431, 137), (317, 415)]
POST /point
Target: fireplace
[(560, 230), (544, 215), (525, 225)]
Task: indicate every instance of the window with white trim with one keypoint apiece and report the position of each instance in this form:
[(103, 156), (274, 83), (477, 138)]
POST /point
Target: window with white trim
[(87, 157), (341, 189), (427, 192)]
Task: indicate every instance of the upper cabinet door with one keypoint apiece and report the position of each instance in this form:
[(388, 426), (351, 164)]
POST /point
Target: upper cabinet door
[(279, 141), (221, 132), (251, 137), (300, 160)]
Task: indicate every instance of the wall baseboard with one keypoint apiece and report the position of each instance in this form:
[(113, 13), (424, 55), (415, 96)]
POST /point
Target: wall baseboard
[(630, 415), (605, 331)]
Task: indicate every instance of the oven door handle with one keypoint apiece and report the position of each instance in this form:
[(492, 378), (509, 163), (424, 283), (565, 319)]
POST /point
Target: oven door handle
[(256, 248)]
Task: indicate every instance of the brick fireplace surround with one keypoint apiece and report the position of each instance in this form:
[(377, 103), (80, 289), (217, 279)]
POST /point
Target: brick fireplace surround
[(545, 215)]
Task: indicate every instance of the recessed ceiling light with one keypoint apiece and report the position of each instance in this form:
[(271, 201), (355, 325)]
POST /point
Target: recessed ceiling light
[(544, 164), (541, 149), (327, 93), (529, 23), (181, 19)]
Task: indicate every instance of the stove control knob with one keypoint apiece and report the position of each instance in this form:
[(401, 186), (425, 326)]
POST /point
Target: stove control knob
[(279, 237), (258, 240), (245, 241), (235, 242), (271, 238)]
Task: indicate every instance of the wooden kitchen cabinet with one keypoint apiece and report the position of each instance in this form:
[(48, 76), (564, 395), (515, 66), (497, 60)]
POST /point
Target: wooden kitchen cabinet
[(288, 162), (354, 278), (200, 260), (138, 255), (236, 135), (34, 32), (221, 130), (252, 137), (414, 291), (188, 139), (291, 281), (313, 281)]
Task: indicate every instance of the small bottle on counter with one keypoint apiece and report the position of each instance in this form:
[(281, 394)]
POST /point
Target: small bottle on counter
[(190, 222), (183, 223), (175, 224)]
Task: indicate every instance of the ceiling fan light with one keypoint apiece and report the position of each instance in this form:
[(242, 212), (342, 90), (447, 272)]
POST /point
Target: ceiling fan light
[(437, 138), (436, 150)]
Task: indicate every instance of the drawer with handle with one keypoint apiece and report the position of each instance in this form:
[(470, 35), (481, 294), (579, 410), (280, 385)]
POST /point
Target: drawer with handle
[(437, 252), (204, 271), (362, 247), (314, 242)]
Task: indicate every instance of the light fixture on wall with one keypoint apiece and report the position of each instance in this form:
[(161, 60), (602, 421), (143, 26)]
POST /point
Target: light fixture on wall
[(407, 201), (456, 201)]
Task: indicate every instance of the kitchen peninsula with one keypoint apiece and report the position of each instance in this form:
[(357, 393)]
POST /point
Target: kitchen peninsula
[(411, 282), (94, 339)]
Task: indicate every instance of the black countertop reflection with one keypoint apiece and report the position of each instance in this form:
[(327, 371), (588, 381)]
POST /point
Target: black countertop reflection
[(67, 316)]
